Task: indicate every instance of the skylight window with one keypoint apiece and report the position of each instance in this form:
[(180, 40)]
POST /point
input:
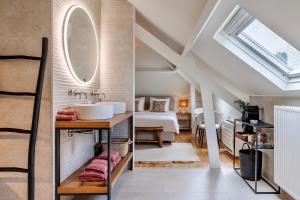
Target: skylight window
[(246, 31), (262, 38)]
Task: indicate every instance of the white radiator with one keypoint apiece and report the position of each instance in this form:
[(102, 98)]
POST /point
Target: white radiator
[(287, 149)]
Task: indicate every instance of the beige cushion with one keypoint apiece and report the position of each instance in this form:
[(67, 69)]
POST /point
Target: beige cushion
[(136, 105), (158, 106), (141, 104), (167, 104)]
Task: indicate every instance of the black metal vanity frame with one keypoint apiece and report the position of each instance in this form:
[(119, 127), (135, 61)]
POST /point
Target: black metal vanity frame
[(109, 140), (35, 116), (256, 147)]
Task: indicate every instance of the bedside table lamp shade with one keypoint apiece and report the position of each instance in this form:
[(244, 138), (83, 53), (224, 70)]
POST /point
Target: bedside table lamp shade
[(183, 104)]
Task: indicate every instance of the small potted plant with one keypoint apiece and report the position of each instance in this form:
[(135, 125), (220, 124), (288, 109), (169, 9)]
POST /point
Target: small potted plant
[(242, 105)]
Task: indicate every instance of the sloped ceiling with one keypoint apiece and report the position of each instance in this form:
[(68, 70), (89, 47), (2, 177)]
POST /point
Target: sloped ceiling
[(271, 13), (148, 59), (176, 19)]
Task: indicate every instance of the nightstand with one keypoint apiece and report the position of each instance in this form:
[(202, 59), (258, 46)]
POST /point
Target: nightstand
[(184, 121)]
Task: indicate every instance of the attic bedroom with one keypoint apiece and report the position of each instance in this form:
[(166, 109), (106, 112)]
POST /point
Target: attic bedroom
[(149, 100), (206, 72)]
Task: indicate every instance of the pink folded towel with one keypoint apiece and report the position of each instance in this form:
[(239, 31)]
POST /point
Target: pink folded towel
[(114, 155), (99, 161), (97, 166), (116, 162), (91, 176), (68, 112), (65, 118), (67, 115), (97, 170)]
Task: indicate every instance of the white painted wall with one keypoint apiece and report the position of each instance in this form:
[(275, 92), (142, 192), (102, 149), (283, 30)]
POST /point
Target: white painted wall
[(198, 99), (154, 75), (227, 110), (160, 83), (148, 58)]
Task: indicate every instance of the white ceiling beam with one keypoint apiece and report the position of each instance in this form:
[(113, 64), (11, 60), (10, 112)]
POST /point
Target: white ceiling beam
[(189, 68), (202, 21), (212, 75), (210, 126)]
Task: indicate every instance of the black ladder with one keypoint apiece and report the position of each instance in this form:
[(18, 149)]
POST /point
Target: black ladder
[(35, 117)]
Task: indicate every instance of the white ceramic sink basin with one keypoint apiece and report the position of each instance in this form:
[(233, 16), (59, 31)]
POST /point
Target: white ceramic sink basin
[(119, 107), (94, 111)]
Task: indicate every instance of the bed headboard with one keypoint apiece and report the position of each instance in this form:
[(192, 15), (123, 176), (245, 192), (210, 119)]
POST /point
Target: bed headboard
[(147, 101)]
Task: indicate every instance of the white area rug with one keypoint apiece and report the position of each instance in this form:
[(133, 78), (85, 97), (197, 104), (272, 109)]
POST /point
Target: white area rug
[(174, 152)]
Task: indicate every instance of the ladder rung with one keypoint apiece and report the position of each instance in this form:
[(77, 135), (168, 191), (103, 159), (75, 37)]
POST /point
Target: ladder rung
[(17, 93), (13, 169), (15, 130), (23, 57)]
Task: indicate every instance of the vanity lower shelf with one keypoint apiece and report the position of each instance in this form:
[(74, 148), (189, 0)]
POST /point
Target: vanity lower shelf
[(72, 185)]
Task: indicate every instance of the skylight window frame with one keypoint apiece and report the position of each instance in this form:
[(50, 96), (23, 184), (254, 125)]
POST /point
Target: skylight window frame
[(233, 31), (264, 54)]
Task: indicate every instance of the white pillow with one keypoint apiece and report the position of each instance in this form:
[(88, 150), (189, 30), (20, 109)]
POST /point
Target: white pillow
[(141, 105), (167, 105)]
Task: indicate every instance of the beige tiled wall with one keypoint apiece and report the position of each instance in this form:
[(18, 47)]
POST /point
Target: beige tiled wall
[(23, 24), (268, 103), (117, 54), (75, 150), (117, 51)]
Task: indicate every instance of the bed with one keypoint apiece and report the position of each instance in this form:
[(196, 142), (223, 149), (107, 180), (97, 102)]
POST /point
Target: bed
[(167, 120)]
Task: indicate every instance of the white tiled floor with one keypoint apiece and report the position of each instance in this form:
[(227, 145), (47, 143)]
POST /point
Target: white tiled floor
[(183, 184)]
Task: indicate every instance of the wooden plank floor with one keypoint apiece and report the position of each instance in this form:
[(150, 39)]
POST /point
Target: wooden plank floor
[(226, 159)]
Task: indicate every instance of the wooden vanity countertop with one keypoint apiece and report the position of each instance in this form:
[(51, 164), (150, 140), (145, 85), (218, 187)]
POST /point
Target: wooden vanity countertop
[(93, 124)]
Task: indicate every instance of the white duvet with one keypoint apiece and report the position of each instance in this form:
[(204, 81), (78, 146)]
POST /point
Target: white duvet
[(168, 120)]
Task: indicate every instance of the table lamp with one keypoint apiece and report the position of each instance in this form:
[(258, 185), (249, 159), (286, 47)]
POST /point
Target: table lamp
[(183, 104)]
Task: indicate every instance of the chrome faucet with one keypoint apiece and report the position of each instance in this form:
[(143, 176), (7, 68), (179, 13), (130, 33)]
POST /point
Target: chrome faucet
[(100, 96), (85, 94), (75, 93)]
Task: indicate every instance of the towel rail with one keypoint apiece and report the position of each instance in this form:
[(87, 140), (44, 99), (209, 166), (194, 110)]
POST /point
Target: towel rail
[(35, 116)]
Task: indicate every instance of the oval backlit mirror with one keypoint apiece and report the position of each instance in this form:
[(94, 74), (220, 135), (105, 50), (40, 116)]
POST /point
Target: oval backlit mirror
[(80, 44)]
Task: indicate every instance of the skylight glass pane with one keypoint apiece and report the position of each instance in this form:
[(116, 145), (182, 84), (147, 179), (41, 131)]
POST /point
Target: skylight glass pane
[(272, 44)]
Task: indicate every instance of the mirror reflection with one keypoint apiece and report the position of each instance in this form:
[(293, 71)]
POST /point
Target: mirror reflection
[(81, 45)]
